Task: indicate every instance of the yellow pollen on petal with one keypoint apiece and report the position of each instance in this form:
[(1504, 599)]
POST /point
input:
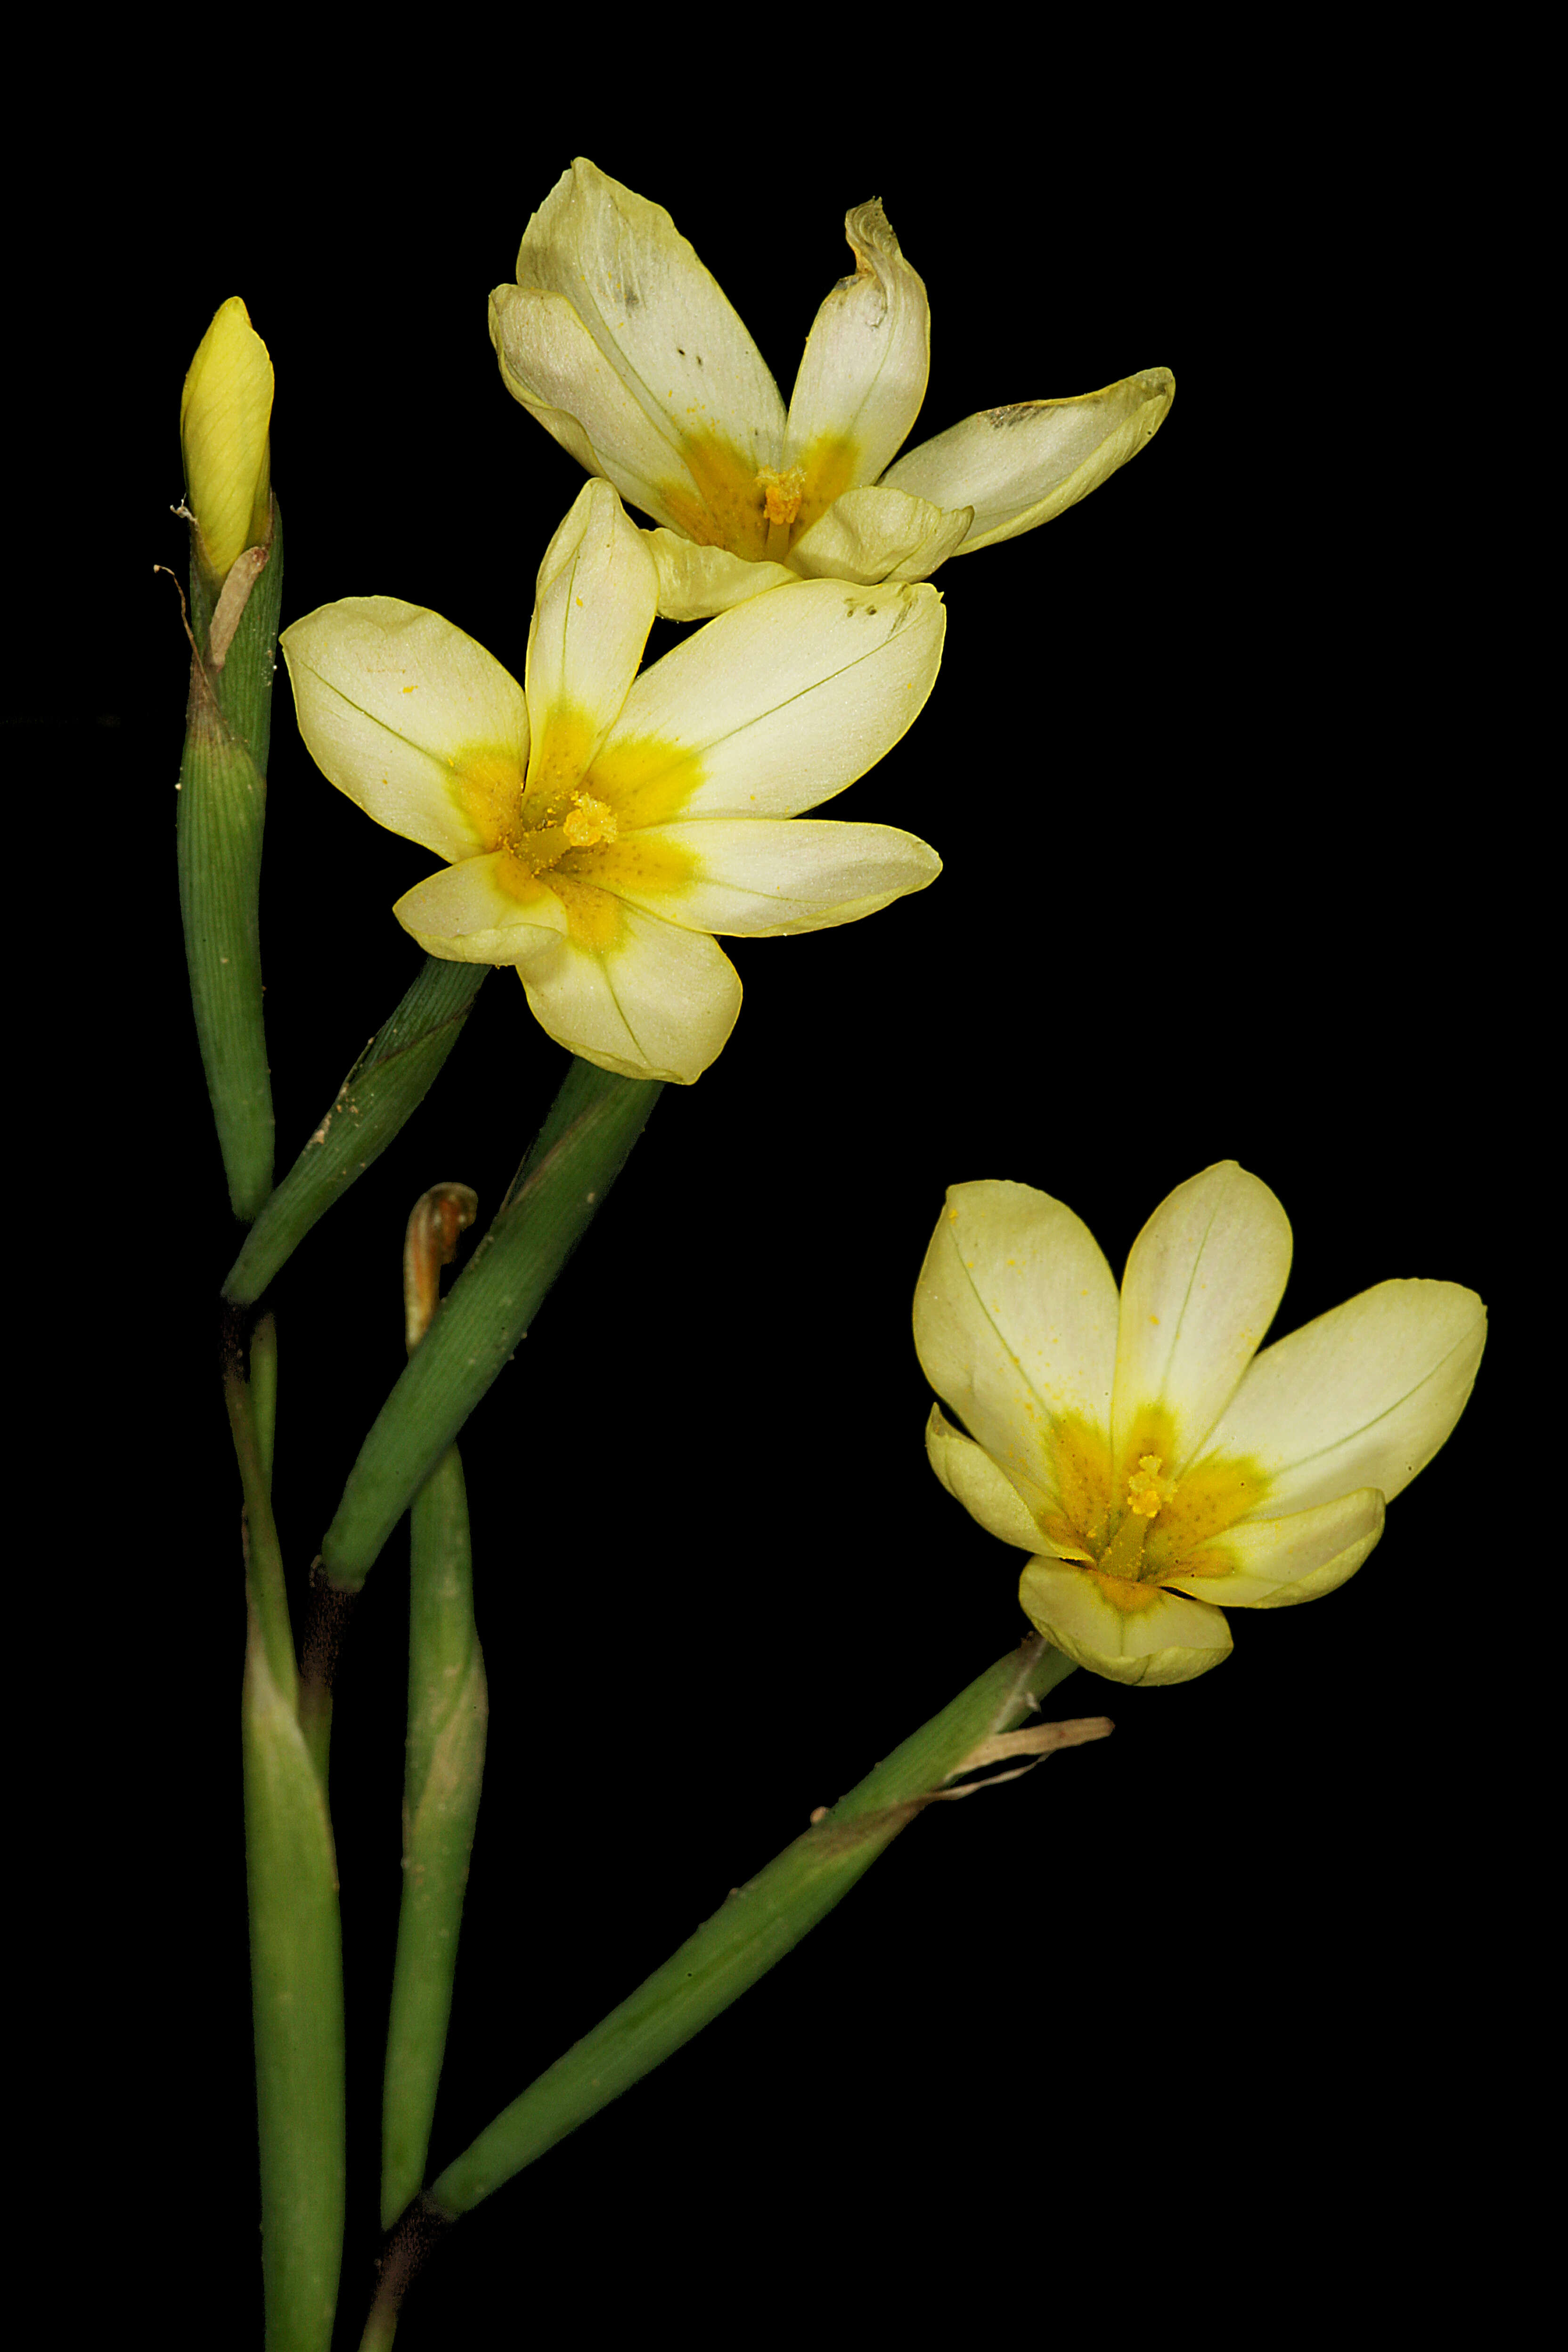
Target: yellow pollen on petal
[(782, 493)]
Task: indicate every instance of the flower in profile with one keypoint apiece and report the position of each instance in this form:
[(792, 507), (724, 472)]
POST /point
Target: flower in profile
[(601, 826), (617, 338), (1158, 1468)]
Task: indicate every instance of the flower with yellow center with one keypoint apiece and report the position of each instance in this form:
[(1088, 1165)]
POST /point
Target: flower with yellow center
[(1148, 1459), (600, 826), (618, 341)]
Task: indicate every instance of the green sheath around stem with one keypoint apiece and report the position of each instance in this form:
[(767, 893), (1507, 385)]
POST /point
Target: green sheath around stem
[(296, 1955), (448, 1712), (219, 831), (759, 1924), (580, 1151), (297, 2002), (385, 1086)]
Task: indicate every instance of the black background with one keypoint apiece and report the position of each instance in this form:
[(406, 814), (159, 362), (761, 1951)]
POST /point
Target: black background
[(1201, 900)]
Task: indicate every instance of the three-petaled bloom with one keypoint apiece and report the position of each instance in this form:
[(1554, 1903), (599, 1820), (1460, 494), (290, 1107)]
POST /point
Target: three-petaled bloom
[(600, 826), (1151, 1462), (619, 342)]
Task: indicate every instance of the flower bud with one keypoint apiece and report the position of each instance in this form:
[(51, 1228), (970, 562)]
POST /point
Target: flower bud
[(224, 412)]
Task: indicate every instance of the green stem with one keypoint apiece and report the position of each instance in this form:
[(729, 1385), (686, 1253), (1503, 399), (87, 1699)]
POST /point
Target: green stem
[(760, 1923), (264, 1392), (291, 1885), (448, 1712), (385, 1086), (219, 831), (581, 1148), (297, 2001), (264, 1581)]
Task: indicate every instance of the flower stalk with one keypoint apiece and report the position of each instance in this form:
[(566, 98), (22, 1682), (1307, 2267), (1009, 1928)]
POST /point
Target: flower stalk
[(756, 1927), (380, 1093), (448, 1709)]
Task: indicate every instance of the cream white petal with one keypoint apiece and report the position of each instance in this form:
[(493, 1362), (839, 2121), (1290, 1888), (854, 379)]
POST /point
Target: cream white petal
[(1202, 1283), (650, 1001), (552, 367), (967, 1471), (776, 706), (759, 877), (879, 534), (1015, 1328), (594, 606), (1019, 466), (1164, 1638), (1273, 1564), (863, 372), (1363, 1397), (694, 582), (656, 318), (464, 914), (391, 701)]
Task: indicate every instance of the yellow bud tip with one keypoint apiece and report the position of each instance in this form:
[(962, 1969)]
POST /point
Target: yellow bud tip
[(226, 413), (782, 493)]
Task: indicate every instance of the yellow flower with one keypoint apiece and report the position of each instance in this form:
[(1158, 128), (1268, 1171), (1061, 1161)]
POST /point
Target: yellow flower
[(226, 413), (600, 826), (619, 342), (1150, 1460)]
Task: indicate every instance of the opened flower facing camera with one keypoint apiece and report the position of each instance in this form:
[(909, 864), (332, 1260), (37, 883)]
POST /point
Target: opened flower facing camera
[(1156, 1466), (599, 826), (618, 341)]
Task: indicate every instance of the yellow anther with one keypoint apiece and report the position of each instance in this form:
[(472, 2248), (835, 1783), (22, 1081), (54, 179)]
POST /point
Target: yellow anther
[(1145, 1488), (588, 820), (782, 493)]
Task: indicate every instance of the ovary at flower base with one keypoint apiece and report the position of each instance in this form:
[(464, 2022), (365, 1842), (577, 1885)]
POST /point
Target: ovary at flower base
[(622, 345), (1157, 1468), (601, 826)]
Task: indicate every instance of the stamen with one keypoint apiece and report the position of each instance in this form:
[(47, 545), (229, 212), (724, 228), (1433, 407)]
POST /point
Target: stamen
[(589, 820), (782, 493), (1145, 1487)]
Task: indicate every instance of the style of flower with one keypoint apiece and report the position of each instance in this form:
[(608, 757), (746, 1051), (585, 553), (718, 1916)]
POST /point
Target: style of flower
[(1148, 1458), (617, 338), (600, 826)]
